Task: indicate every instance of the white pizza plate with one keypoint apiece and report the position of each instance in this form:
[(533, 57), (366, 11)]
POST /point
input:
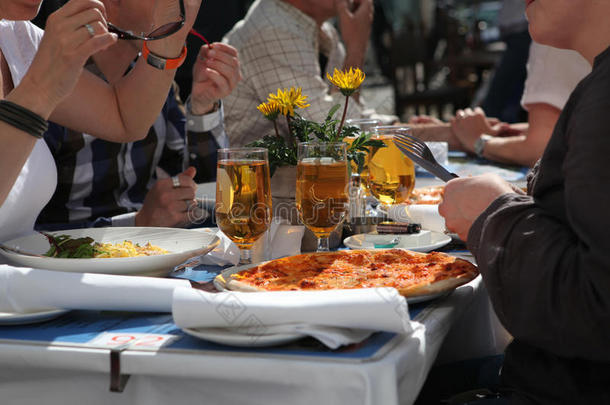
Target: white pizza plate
[(7, 318), (233, 338), (181, 243), (219, 283), (424, 241)]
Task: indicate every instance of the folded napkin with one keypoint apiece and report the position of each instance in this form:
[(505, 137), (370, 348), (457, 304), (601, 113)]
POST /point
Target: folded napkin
[(282, 239), (24, 290), (424, 214), (335, 317)]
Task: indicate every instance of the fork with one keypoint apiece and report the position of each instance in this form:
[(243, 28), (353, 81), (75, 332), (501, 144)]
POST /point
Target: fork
[(419, 152), (21, 252)]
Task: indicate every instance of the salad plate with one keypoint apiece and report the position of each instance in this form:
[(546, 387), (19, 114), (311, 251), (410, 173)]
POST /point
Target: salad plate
[(181, 245)]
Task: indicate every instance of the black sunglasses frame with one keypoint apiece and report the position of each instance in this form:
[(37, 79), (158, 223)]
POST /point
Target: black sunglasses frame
[(122, 34)]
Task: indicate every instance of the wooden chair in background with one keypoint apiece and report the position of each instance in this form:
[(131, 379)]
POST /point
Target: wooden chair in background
[(423, 78)]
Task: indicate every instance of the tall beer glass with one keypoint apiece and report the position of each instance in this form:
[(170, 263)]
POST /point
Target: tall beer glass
[(391, 174), (243, 196), (322, 188)]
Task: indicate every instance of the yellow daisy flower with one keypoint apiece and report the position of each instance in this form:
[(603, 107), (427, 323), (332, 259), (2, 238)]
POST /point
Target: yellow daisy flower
[(347, 82), (288, 100), (270, 109)]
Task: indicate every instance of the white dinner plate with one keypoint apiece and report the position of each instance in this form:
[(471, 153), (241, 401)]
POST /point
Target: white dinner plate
[(33, 317), (181, 243), (424, 241), (233, 338)]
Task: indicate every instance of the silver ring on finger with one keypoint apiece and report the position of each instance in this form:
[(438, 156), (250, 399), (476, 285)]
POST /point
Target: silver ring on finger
[(90, 29), (175, 181)]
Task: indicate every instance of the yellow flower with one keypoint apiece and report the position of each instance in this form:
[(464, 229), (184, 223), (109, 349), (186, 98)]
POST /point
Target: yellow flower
[(347, 82), (270, 109), (288, 100)]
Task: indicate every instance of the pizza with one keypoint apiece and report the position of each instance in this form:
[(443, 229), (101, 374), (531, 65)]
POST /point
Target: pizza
[(411, 273), (427, 195)]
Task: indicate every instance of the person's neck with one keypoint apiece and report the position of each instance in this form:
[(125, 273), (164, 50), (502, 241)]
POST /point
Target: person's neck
[(306, 8), (593, 38), (114, 61), (591, 49)]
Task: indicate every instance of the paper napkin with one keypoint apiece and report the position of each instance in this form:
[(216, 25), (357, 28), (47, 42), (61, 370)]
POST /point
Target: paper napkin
[(425, 215), (335, 317)]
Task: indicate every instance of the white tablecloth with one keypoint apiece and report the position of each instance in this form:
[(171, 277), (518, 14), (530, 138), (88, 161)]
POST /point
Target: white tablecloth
[(39, 374)]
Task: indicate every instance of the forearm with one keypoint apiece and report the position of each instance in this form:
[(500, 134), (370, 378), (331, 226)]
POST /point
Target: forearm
[(544, 282), (512, 150), (124, 109), (354, 57), (525, 149), (436, 133), (140, 96), (122, 112)]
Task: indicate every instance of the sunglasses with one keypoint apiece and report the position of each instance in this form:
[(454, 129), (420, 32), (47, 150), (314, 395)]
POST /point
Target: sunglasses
[(162, 32)]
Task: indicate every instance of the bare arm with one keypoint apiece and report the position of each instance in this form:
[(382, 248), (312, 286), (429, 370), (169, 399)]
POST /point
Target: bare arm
[(53, 74), (436, 133), (124, 111), (355, 25), (523, 146), (525, 149), (121, 113)]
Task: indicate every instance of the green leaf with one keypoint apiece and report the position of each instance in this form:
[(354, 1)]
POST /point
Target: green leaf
[(333, 111)]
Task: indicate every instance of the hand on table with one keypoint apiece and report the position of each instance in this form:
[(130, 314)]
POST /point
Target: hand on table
[(468, 125), (215, 75), (425, 119), (465, 198), (166, 205)]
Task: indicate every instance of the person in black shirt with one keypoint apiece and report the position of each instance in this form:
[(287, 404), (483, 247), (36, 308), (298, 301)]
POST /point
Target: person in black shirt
[(545, 257)]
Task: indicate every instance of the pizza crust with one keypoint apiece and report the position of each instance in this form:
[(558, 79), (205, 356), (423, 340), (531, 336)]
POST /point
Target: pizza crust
[(437, 287), (236, 285)]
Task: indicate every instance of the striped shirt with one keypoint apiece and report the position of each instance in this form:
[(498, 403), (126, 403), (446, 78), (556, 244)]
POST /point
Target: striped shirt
[(99, 180)]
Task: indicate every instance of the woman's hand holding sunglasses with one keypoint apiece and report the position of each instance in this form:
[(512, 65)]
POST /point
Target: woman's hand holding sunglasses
[(73, 33)]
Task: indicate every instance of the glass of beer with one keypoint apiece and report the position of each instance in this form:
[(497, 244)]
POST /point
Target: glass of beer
[(243, 196), (322, 188), (391, 174)]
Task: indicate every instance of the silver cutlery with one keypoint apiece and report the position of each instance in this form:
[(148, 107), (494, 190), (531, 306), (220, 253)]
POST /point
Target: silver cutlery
[(419, 152), (19, 251)]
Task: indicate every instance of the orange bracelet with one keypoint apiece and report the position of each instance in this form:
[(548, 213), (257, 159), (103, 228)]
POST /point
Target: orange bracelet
[(160, 62)]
